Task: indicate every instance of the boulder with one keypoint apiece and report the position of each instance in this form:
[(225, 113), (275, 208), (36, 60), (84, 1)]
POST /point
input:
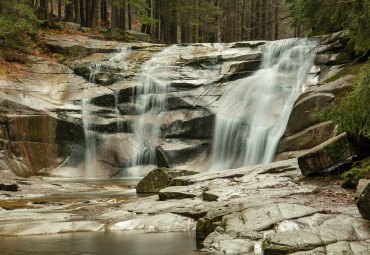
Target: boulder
[(8, 186), (325, 155), (308, 138), (138, 36), (79, 46), (181, 151), (304, 110), (159, 179), (363, 200), (69, 25)]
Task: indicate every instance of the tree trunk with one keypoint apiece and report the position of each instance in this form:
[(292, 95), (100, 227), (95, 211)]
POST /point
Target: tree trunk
[(114, 15), (88, 15), (82, 13), (129, 17), (69, 11), (43, 11), (77, 11), (276, 13), (173, 27), (263, 20), (59, 9), (51, 7), (252, 20)]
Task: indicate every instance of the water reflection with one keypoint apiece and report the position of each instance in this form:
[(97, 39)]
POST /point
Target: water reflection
[(112, 243)]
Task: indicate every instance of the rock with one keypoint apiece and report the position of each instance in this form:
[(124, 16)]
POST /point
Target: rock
[(8, 186), (304, 110), (308, 138), (138, 36), (362, 183), (363, 200), (190, 124), (79, 46), (326, 155), (182, 151), (178, 192), (69, 25), (285, 243), (166, 222), (252, 44), (159, 179)]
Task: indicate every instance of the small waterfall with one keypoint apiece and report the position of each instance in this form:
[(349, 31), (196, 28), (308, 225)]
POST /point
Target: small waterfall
[(90, 142), (117, 113), (254, 111)]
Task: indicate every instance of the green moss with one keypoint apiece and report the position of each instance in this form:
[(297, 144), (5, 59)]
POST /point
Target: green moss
[(360, 170), (61, 58), (352, 70)]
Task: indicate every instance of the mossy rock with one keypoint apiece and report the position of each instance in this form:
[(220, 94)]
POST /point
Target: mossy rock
[(360, 170), (204, 228), (326, 155), (159, 179)]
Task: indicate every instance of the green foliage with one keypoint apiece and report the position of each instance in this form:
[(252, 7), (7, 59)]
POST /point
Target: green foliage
[(352, 114), (17, 22), (328, 16), (359, 171)]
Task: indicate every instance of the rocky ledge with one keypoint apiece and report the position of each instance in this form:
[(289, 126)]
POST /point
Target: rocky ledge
[(263, 209)]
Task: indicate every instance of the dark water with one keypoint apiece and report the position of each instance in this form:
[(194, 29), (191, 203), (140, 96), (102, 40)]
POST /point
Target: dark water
[(105, 243)]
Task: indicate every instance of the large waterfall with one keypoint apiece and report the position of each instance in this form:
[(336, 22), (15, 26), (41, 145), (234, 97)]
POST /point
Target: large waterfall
[(254, 111)]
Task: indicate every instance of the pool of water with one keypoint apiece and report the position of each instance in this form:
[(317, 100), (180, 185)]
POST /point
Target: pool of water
[(107, 243)]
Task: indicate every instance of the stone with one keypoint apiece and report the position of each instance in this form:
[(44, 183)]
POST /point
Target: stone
[(69, 25), (304, 110), (138, 36), (362, 183), (178, 192), (184, 123), (363, 201), (182, 151), (166, 222), (308, 138), (325, 155), (79, 46), (8, 186), (159, 179)]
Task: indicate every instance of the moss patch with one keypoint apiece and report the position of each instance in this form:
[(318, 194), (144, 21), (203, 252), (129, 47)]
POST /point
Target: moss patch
[(351, 70), (360, 170)]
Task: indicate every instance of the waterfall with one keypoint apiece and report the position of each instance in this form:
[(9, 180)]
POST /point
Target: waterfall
[(254, 111), (90, 144)]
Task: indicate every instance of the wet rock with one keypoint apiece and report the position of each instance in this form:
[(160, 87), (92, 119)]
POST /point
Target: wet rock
[(326, 155), (159, 179), (363, 200), (182, 151), (188, 124), (308, 138), (304, 110), (107, 78), (252, 44), (178, 192), (8, 186), (166, 222)]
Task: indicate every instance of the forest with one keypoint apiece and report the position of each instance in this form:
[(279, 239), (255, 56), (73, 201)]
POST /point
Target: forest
[(187, 21)]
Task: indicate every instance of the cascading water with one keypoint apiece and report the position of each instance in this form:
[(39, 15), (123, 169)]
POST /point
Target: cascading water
[(90, 144), (150, 97), (254, 111)]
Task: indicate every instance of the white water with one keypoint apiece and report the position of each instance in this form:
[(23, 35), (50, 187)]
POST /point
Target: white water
[(90, 142), (150, 98), (254, 111)]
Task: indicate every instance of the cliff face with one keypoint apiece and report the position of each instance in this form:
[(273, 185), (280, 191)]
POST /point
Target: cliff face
[(42, 112)]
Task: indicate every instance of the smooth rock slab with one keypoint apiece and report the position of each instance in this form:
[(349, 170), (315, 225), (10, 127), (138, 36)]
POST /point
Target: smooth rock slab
[(326, 155), (167, 222)]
